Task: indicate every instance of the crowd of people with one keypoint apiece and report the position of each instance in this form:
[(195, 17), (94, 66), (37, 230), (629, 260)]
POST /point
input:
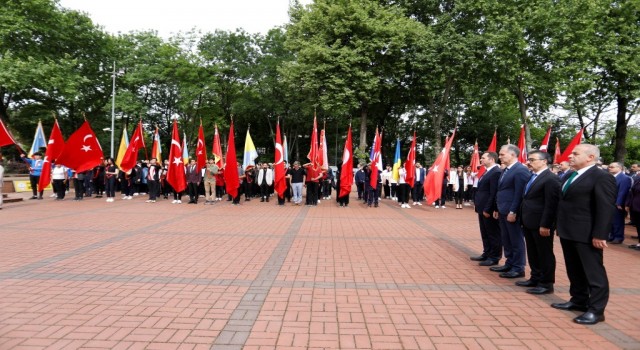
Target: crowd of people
[(520, 207)]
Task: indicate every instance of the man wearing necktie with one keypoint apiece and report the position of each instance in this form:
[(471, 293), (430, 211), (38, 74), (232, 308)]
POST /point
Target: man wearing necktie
[(538, 215), (509, 197), (585, 213), (193, 181)]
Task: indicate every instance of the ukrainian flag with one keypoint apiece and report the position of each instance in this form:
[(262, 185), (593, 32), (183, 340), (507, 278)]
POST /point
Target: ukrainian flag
[(124, 144), (38, 140), (250, 153), (185, 151), (397, 162)]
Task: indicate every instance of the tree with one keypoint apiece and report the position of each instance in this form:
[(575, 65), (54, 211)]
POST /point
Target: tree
[(348, 53)]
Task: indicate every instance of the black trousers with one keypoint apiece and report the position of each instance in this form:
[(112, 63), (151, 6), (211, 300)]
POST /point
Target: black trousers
[(491, 239), (360, 188), (264, 191), (542, 261), (588, 280), (416, 192), (403, 193), (59, 188), (193, 191), (79, 188), (312, 193), (34, 185), (154, 189), (110, 186)]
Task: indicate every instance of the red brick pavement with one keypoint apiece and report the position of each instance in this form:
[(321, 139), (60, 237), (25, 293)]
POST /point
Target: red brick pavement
[(135, 275)]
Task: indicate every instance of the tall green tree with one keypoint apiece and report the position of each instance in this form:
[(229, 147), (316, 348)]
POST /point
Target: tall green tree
[(348, 53)]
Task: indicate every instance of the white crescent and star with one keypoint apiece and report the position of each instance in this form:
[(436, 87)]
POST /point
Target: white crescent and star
[(279, 152), (346, 156), (87, 136), (86, 148), (174, 142), (177, 160)]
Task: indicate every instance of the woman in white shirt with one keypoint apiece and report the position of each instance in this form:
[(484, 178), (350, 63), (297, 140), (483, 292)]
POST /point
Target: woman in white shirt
[(59, 179)]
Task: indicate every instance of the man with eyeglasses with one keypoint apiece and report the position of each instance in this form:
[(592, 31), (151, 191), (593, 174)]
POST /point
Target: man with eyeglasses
[(538, 215)]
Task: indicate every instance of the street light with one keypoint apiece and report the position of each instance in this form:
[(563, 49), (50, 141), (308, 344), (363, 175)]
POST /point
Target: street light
[(113, 106)]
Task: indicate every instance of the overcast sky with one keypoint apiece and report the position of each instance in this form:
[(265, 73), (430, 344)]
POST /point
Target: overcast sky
[(169, 17)]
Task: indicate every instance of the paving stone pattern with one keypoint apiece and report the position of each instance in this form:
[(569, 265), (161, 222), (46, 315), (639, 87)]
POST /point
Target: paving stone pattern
[(136, 275)]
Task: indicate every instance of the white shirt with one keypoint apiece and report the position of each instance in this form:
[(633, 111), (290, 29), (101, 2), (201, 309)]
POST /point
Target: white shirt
[(58, 173)]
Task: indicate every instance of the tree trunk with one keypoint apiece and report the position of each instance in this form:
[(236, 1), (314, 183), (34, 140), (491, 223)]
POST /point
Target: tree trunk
[(363, 125), (620, 151), (522, 106)]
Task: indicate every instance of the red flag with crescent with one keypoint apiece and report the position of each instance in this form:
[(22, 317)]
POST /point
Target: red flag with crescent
[(131, 154), (201, 149), (54, 148), (280, 185), (82, 150), (175, 172), (346, 173)]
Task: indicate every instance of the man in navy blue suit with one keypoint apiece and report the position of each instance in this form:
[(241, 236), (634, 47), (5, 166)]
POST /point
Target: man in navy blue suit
[(509, 197), (418, 186), (623, 184), (485, 205)]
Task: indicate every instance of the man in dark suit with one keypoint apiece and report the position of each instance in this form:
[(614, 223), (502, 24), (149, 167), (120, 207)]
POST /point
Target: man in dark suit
[(510, 188), (623, 185), (194, 176), (418, 187), (538, 216), (485, 205), (585, 213)]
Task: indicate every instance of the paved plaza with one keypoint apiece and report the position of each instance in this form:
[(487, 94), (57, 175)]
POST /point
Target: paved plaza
[(136, 275)]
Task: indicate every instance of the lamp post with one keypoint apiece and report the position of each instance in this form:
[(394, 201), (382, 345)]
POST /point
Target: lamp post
[(113, 106)]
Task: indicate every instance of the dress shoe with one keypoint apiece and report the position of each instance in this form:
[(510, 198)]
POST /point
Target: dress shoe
[(616, 241), (527, 283), (589, 318), (570, 306), (511, 274), (540, 290), (488, 262), (478, 258), (503, 268), (635, 246)]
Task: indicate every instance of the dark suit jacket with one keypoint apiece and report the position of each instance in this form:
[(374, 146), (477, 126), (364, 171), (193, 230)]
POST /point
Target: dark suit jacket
[(540, 203), (485, 198), (193, 176), (585, 210), (511, 187), (623, 184)]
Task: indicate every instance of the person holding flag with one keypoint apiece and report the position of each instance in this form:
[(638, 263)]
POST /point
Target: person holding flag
[(280, 185), (345, 173), (35, 170)]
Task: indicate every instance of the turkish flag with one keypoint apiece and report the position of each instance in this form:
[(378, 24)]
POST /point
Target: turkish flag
[(522, 145), (201, 149), (82, 150), (567, 151), (280, 185), (410, 164), (313, 152), (231, 176), (544, 145), (5, 136), (475, 161), (131, 154), (435, 177), (346, 173), (494, 142), (54, 148), (558, 154), (175, 173), (375, 161)]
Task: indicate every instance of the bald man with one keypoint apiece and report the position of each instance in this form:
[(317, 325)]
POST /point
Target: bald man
[(585, 213)]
